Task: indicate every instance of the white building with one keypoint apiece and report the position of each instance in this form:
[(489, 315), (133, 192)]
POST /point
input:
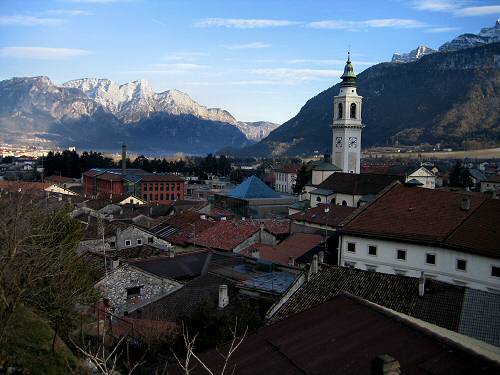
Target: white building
[(285, 179), (490, 184), (449, 236)]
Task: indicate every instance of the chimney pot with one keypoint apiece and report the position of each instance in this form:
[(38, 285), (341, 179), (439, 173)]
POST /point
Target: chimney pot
[(116, 263), (223, 296), (385, 365), (421, 285), (314, 265), (321, 257), (291, 261)]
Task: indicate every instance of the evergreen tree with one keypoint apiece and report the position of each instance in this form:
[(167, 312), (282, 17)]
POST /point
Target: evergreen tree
[(303, 177)]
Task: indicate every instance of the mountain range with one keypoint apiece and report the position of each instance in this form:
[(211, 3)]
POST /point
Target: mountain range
[(450, 97), (98, 113)]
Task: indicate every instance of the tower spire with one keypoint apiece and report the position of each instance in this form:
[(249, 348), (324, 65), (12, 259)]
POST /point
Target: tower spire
[(349, 77)]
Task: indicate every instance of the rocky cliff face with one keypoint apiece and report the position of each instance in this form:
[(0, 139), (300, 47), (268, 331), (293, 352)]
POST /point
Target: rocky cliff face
[(413, 55), (447, 97)]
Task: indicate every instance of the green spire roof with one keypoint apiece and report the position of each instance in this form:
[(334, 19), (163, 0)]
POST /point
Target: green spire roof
[(349, 77)]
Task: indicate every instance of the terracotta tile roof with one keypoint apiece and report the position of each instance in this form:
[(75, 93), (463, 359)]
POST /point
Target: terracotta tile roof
[(357, 184), (110, 176), (317, 215), (25, 186), (432, 217), (187, 234), (59, 179), (276, 227), (226, 235), (343, 336), (294, 246)]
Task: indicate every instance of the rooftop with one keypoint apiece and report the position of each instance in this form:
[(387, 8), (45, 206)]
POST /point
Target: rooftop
[(343, 336), (226, 235), (253, 188), (324, 214), (432, 217), (357, 184)]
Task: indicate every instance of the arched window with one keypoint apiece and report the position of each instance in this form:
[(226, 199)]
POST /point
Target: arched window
[(340, 111), (353, 110), (344, 203), (332, 201), (318, 199)]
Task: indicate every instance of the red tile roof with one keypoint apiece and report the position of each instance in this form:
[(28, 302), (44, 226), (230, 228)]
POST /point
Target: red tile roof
[(23, 185), (189, 232), (294, 246), (317, 215), (276, 227), (110, 176), (226, 235), (433, 217)]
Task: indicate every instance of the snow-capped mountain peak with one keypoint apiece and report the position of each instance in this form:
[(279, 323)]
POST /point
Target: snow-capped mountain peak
[(134, 101), (412, 55), (487, 35)]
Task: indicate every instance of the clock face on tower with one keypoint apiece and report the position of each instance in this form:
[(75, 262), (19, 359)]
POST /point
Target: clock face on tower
[(338, 142), (353, 142)]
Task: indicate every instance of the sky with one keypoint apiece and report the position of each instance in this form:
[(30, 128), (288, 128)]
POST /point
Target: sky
[(258, 59)]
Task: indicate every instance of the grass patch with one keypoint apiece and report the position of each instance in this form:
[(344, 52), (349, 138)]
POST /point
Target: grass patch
[(29, 346)]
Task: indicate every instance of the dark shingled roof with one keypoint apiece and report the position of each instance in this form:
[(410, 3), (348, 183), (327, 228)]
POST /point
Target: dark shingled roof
[(358, 184), (343, 336), (471, 312), (181, 267), (432, 217)]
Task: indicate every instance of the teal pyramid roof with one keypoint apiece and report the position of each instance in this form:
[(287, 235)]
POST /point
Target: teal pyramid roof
[(253, 188)]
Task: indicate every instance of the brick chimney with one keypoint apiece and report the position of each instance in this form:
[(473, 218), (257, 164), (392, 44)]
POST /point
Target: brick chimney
[(465, 206), (384, 364), (223, 296)]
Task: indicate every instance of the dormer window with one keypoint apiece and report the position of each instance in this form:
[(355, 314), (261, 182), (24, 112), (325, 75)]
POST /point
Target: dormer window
[(340, 112)]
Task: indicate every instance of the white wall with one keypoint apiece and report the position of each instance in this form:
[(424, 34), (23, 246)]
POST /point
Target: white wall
[(284, 182), (489, 186), (477, 275), (319, 176)]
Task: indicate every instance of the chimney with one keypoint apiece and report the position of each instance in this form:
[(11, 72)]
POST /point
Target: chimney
[(314, 264), (261, 232), (171, 253), (223, 297), (291, 261), (203, 217), (421, 284), (124, 159), (321, 257), (116, 263), (385, 365), (465, 206)]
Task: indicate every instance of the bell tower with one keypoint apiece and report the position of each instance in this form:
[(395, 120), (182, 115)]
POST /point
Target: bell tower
[(347, 126)]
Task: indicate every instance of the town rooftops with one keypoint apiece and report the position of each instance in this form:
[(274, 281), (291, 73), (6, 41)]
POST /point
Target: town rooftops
[(225, 235), (131, 174), (253, 188), (357, 184), (449, 306), (324, 214), (493, 178), (469, 222), (343, 336)]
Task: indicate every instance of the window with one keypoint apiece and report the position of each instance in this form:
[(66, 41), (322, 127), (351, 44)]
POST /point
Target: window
[(371, 268), (495, 271), (344, 203), (340, 111), (351, 247), (145, 187), (139, 241), (318, 199), (161, 186), (400, 254), (461, 265), (134, 291), (161, 197), (372, 250), (156, 197), (112, 244), (150, 197), (172, 197), (128, 243), (353, 110), (430, 258), (349, 264), (150, 239), (145, 196)]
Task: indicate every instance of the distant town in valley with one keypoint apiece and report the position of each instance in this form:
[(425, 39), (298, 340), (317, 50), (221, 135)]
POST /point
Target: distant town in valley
[(142, 232)]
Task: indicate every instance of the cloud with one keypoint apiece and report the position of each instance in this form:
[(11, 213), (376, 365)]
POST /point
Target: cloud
[(478, 11), (253, 45), (437, 5), (241, 23), (69, 12), (399, 23), (185, 56), (19, 20), (297, 75), (442, 29), (42, 53)]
